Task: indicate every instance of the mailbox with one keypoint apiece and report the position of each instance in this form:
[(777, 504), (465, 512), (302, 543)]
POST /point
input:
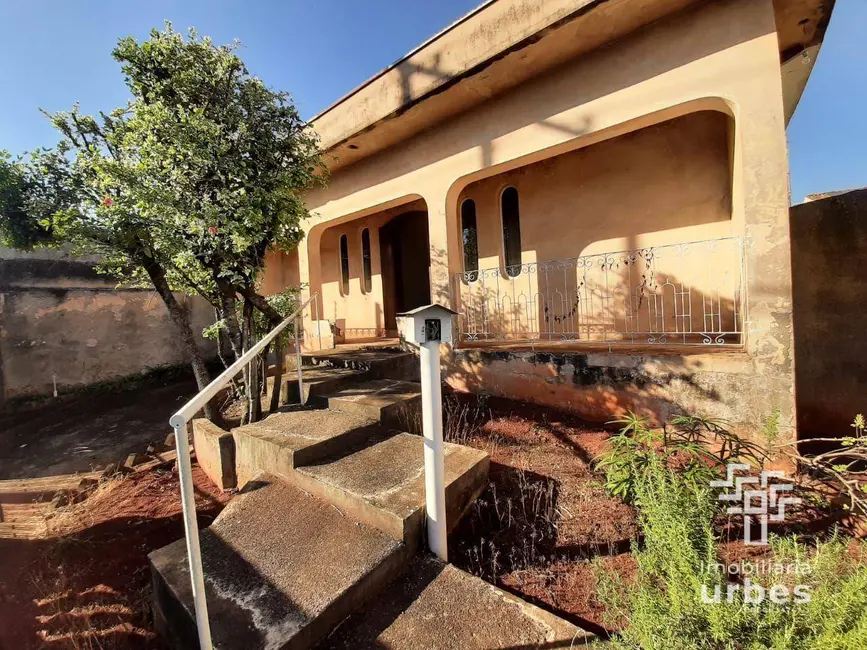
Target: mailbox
[(426, 327), (428, 324)]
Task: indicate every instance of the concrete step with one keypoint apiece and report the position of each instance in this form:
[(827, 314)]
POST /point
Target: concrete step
[(378, 362), (317, 381), (382, 483), (283, 441), (396, 404), (282, 569), (437, 606)]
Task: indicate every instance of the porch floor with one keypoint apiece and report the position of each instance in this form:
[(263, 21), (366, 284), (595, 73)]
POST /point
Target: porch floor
[(633, 349)]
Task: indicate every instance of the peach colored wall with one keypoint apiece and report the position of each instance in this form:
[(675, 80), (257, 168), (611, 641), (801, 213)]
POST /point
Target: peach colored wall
[(357, 308), (281, 271), (720, 56), (663, 184)]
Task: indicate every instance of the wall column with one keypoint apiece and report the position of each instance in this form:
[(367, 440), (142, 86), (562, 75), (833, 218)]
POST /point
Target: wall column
[(761, 184), (440, 289)]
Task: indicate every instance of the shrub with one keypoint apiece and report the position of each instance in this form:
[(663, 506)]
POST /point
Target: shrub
[(843, 468), (698, 447), (677, 564)]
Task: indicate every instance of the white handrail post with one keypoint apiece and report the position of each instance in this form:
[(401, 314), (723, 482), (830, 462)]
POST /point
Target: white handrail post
[(432, 427), (298, 363), (191, 530)]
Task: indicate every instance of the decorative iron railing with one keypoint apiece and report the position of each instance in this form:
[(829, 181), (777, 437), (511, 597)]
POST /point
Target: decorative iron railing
[(686, 293)]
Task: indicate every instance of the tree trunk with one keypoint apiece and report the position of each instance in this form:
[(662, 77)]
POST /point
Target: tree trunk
[(181, 319), (254, 395), (278, 373), (261, 303)]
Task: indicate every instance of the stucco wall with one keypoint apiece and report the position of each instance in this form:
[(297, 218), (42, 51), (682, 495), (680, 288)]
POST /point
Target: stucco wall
[(281, 271), (602, 385), (721, 56), (829, 246), (58, 317), (664, 184)]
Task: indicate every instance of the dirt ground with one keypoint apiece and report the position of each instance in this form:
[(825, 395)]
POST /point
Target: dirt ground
[(545, 514), (88, 585), (89, 432), (536, 531)]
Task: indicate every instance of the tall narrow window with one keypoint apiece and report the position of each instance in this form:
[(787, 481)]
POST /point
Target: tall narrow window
[(470, 239), (366, 272), (511, 232), (344, 265)]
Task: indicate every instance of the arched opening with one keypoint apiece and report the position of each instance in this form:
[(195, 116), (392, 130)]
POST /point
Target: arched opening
[(366, 268), (511, 218), (470, 240), (372, 266), (344, 265)]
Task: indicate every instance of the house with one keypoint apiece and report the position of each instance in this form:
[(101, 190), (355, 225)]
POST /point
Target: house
[(598, 187)]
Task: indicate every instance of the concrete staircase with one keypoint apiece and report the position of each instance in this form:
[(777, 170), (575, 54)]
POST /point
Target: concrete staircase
[(331, 510)]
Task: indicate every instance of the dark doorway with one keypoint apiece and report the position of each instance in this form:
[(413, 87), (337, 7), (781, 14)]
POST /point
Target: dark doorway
[(405, 265)]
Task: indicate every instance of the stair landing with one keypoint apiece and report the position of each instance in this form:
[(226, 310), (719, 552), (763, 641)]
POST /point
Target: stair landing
[(382, 484), (396, 404), (437, 606), (284, 441), (282, 569)]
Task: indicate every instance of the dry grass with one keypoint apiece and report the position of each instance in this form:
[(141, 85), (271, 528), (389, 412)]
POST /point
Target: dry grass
[(75, 517)]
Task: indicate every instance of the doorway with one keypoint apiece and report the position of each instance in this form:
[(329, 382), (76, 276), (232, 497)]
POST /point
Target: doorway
[(405, 260)]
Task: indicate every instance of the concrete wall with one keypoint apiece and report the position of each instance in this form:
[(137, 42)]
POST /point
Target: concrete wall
[(720, 56), (829, 284), (602, 385), (59, 317), (664, 184)]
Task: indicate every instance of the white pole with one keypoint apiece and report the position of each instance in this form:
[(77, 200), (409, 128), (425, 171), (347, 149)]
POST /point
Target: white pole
[(432, 424), (191, 529), (298, 363)]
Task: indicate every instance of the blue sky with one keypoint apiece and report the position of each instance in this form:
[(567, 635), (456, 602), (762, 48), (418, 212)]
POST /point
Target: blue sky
[(57, 52)]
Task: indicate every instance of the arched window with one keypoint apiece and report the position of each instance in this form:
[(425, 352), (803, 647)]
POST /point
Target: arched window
[(344, 265), (470, 239), (366, 271), (511, 231)]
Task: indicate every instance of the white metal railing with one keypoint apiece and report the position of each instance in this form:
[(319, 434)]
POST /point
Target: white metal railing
[(687, 293), (179, 422)]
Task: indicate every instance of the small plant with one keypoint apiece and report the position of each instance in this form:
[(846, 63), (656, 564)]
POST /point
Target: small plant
[(771, 429), (843, 468), (681, 600), (698, 447)]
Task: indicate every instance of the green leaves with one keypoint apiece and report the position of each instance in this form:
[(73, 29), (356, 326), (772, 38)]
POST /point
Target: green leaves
[(202, 171), (697, 447)]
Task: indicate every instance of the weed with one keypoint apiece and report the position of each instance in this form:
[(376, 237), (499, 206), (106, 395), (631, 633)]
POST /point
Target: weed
[(698, 447), (667, 607)]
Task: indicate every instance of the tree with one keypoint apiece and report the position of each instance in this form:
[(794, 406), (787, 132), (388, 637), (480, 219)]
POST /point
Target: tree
[(195, 179), (230, 157)]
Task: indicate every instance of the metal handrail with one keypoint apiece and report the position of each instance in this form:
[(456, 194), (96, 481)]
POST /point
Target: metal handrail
[(189, 410), (179, 422)]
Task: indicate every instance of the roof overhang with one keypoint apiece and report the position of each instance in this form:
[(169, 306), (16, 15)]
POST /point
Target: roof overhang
[(503, 43)]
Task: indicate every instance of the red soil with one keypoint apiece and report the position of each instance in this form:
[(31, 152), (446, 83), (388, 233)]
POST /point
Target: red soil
[(89, 585), (545, 514)]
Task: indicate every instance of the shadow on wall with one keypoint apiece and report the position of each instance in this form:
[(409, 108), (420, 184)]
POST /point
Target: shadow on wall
[(829, 291), (624, 300), (600, 386)]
